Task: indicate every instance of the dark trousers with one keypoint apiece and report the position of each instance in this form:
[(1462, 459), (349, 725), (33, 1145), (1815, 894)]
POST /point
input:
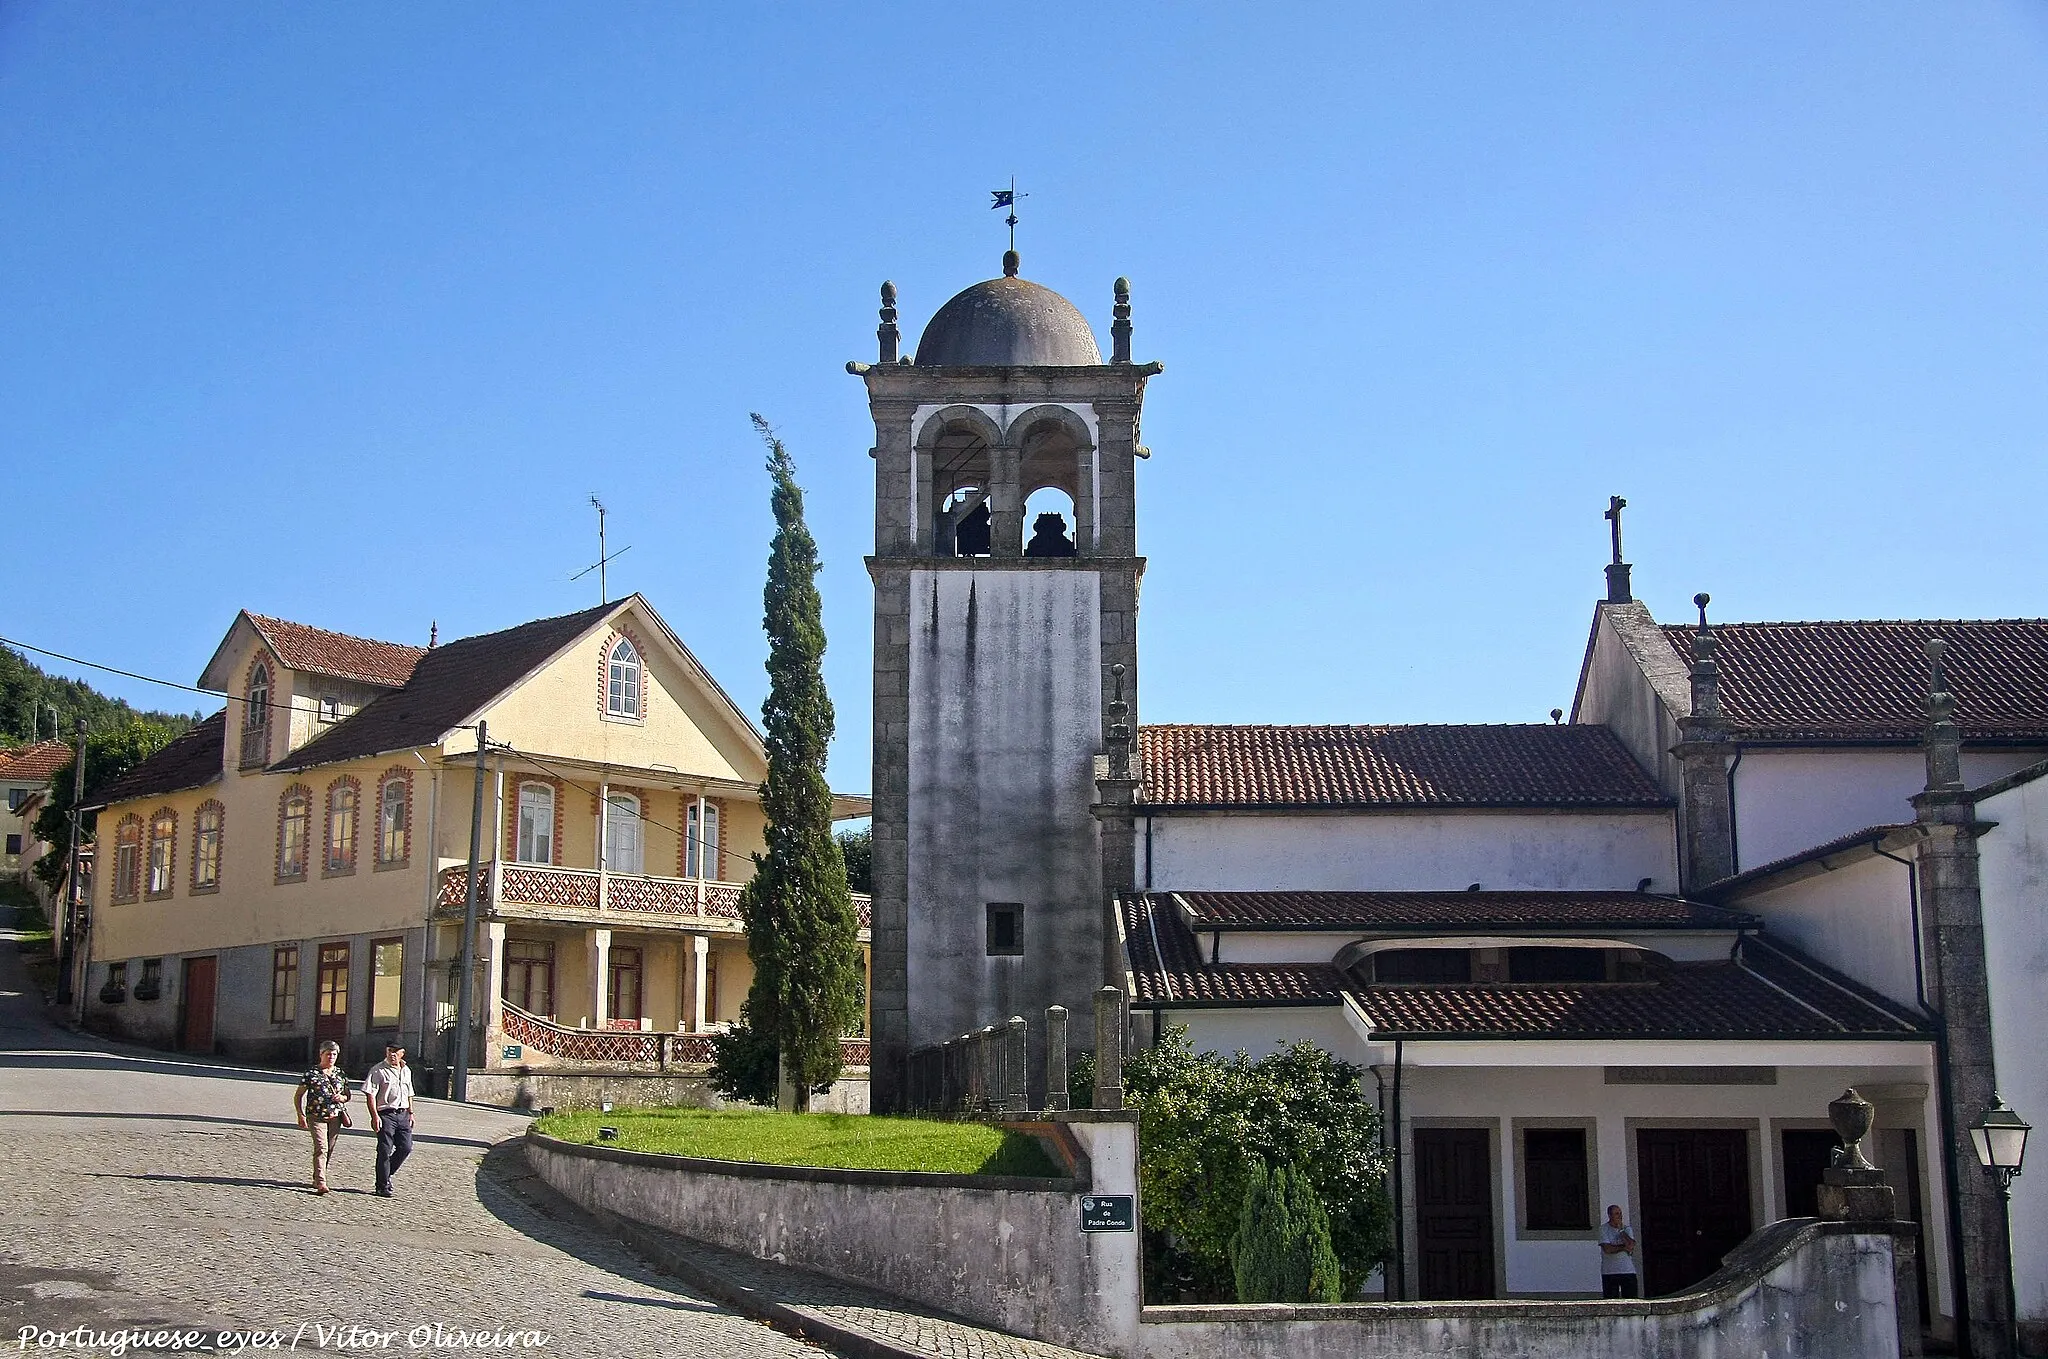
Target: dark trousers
[(394, 1144), (1611, 1285)]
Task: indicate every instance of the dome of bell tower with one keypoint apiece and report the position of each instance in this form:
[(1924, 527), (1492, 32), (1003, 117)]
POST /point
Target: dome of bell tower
[(1008, 322)]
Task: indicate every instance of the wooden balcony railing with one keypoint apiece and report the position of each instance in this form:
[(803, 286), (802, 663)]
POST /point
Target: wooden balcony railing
[(577, 889), (255, 747)]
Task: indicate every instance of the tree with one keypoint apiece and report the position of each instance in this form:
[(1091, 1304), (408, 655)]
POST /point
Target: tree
[(802, 934), (857, 847), (1205, 1121), (1282, 1252), (109, 754), (26, 693)]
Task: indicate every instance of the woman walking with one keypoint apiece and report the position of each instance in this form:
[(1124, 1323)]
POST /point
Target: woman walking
[(322, 1105)]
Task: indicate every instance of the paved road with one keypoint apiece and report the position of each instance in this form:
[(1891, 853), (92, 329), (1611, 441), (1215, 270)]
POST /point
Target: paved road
[(143, 1190)]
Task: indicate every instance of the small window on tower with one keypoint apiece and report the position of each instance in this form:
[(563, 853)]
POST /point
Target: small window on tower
[(1005, 929)]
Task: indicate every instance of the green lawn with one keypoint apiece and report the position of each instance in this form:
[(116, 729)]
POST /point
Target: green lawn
[(838, 1141)]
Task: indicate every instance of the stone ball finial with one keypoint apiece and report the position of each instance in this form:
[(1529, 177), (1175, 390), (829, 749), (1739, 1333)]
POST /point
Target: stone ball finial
[(1700, 601), (1123, 290), (1011, 263), (1936, 648), (1557, 716), (888, 294)]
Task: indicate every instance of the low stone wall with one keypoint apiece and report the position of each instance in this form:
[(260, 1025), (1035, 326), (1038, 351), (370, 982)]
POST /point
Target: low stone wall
[(541, 1089), (1799, 1289), (1003, 1252)]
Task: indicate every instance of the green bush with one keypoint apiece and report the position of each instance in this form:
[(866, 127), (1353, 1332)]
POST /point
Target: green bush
[(1282, 1251), (1207, 1122)]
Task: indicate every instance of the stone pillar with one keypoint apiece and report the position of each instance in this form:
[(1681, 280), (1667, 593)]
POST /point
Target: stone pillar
[(1109, 1048), (1017, 1091), (494, 989), (1952, 900), (600, 976), (1056, 1057), (1706, 813), (1854, 1190), (889, 952), (1006, 502), (700, 949), (902, 520)]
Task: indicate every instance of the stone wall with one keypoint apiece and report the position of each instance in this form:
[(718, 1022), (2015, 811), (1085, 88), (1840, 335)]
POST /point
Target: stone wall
[(590, 1089)]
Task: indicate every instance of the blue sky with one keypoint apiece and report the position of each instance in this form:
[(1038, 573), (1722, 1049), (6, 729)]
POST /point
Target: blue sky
[(342, 312)]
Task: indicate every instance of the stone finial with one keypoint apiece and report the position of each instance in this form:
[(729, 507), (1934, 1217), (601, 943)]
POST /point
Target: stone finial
[(1557, 717), (1706, 670), (1852, 1189), (1109, 1048), (1119, 725), (1011, 263), (1056, 1057), (886, 334), (1120, 326), (1851, 1116), (1943, 741), (433, 634)]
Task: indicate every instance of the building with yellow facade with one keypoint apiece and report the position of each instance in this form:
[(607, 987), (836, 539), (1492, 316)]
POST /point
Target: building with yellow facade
[(294, 868)]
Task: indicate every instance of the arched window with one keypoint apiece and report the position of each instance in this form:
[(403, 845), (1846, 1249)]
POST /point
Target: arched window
[(206, 835), (256, 719), (127, 885), (622, 681), (622, 841), (394, 818), (294, 826), (342, 797), (163, 853), (536, 843)]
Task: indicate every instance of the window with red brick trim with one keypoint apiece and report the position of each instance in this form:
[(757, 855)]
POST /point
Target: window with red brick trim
[(624, 681), (394, 818), (209, 825), (344, 810), (294, 832), (127, 883), (163, 855)]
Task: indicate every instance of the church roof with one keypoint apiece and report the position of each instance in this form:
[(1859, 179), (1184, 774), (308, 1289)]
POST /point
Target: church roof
[(1532, 765), (1867, 680), (1462, 911), (1005, 323)]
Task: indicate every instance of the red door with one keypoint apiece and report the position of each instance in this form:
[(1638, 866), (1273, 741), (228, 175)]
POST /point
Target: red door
[(199, 988), (330, 1020)]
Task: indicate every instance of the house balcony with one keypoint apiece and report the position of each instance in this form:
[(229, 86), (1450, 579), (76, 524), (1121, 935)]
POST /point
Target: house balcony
[(548, 1044), (546, 892)]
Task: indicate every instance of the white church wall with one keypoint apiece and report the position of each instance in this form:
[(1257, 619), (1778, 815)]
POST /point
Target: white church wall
[(2013, 863), (1260, 1032), (1409, 851), (1857, 919), (1791, 799)]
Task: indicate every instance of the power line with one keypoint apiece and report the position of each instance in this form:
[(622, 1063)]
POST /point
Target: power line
[(539, 763)]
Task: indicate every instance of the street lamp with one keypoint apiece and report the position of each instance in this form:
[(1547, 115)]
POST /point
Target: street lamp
[(2000, 1138)]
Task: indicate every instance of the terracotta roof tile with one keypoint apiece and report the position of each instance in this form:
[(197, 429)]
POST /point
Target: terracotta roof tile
[(193, 760), (1368, 766), (1867, 681), (38, 761), (1367, 911), (338, 654), (1167, 968), (1869, 836)]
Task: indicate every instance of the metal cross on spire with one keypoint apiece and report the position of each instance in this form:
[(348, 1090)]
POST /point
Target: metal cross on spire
[(1615, 505), (1007, 198)]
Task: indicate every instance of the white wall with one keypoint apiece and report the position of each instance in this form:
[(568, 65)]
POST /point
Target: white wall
[(1409, 851), (1259, 1033), (2014, 865), (1857, 919), (1793, 799)]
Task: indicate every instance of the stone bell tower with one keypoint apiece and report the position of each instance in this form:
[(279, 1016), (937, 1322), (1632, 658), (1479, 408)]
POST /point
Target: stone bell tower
[(1000, 748)]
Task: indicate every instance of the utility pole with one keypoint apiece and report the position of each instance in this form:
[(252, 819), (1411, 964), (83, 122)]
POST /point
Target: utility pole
[(465, 997), (71, 873)]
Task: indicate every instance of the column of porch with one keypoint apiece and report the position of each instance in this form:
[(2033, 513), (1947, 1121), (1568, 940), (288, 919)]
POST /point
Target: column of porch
[(700, 949), (494, 991), (600, 952)]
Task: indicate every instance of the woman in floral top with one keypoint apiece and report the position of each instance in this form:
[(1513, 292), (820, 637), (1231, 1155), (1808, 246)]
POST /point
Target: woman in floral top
[(322, 1105)]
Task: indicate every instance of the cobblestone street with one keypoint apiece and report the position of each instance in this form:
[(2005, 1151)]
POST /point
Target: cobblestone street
[(152, 1191)]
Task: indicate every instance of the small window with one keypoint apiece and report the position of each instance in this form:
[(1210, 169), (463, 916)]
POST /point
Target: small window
[(341, 827), (163, 840), (1005, 929), (330, 708), (1423, 965), (393, 821), (152, 972), (622, 681), (14, 844), (284, 985), (1557, 965), (206, 847), (536, 824), (15, 797), (387, 965), (1554, 1159), (127, 884), (256, 712), (295, 814)]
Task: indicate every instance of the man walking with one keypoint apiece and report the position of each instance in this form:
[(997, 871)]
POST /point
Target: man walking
[(1617, 1257), (322, 1105), (388, 1092)]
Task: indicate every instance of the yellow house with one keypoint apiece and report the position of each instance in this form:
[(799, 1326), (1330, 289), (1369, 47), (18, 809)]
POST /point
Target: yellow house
[(294, 868)]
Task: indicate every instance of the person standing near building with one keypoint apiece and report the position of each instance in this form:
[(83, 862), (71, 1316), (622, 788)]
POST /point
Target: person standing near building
[(322, 1105), (388, 1092), (1617, 1257)]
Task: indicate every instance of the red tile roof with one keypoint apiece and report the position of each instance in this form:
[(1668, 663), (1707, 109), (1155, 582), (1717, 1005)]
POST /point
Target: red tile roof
[(335, 653), (1445, 766), (34, 762), (1867, 681), (193, 760), (1167, 968), (1367, 911)]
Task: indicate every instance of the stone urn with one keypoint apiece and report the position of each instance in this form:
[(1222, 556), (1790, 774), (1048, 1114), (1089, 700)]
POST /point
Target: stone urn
[(1851, 1115)]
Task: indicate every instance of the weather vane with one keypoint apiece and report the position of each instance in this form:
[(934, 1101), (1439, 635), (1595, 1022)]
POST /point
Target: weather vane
[(1007, 198)]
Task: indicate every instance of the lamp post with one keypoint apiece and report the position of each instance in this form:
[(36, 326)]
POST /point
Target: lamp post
[(2000, 1138)]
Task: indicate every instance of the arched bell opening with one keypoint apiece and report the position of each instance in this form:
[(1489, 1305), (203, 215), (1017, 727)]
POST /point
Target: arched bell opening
[(957, 459), (1055, 454), (1049, 523)]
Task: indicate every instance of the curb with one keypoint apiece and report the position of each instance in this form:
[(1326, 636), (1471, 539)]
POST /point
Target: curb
[(853, 1343)]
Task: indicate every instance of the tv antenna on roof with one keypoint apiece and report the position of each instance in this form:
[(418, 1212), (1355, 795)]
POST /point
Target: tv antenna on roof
[(603, 592)]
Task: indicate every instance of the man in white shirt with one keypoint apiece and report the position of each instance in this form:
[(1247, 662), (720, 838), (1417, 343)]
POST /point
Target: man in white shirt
[(1617, 1257), (388, 1092)]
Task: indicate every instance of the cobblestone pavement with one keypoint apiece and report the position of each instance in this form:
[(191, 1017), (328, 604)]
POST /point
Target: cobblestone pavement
[(144, 1190)]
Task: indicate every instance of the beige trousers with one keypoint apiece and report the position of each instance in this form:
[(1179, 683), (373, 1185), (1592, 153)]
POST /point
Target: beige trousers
[(326, 1133)]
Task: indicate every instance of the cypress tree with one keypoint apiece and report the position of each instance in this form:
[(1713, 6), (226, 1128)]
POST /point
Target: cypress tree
[(1322, 1280), (1259, 1251), (802, 934)]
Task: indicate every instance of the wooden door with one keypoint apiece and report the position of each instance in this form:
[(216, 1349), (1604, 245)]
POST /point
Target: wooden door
[(200, 976), (330, 1018), (1453, 1213), (623, 1005), (1694, 1185)]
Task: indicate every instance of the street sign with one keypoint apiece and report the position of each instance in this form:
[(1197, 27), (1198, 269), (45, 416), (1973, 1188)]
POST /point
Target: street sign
[(513, 1052), (1109, 1213)]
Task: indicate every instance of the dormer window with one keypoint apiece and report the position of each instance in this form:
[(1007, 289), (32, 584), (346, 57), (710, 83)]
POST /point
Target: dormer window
[(1422, 965), (622, 681), (256, 719), (330, 708)]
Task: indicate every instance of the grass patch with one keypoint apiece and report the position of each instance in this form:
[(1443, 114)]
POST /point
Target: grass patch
[(834, 1141)]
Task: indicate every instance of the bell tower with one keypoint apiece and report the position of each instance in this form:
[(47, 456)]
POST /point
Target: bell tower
[(1006, 664)]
